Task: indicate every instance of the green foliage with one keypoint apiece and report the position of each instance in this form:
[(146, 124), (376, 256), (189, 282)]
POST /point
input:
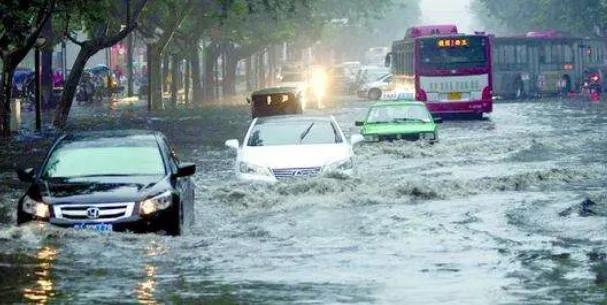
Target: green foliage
[(17, 19), (584, 17)]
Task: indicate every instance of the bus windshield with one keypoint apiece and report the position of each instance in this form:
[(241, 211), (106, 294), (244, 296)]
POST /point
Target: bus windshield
[(453, 53)]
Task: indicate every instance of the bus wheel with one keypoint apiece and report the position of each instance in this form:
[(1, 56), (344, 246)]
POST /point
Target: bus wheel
[(374, 94)]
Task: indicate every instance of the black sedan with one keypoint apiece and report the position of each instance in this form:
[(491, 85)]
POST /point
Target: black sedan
[(110, 181)]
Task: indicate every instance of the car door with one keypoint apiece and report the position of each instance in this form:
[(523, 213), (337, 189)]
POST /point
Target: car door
[(183, 185)]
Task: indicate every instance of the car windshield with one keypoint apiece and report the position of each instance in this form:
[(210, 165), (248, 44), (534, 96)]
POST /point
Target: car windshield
[(71, 161), (398, 113), (294, 133), (448, 53)]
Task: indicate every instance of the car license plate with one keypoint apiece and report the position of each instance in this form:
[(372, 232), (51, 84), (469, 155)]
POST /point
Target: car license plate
[(97, 227), (454, 96)]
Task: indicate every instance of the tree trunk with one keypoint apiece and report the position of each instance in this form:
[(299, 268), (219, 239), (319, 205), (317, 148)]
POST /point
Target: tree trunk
[(229, 78), (248, 71), (7, 92), (155, 78), (69, 89), (46, 77), (210, 62), (186, 83), (129, 64), (196, 85), (174, 79), (165, 72)]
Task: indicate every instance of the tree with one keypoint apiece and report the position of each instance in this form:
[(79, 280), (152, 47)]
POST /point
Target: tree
[(159, 24), (103, 22), (21, 24), (581, 17)]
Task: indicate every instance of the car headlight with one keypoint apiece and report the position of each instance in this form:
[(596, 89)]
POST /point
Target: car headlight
[(428, 136), (156, 203), (341, 165), (36, 208), (252, 169)]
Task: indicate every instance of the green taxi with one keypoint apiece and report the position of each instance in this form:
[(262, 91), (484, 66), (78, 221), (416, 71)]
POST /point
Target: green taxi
[(399, 120)]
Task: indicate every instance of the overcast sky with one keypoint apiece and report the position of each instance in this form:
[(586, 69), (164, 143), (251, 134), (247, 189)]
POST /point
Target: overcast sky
[(447, 12)]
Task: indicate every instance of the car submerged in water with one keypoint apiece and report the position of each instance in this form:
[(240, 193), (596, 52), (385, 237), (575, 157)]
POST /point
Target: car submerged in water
[(399, 120), (110, 181), (282, 147)]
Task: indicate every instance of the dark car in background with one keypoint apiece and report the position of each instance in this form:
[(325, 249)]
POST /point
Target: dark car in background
[(110, 181)]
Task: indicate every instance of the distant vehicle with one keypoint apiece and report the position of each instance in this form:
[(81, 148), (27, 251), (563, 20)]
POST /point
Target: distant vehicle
[(368, 74), (545, 63), (449, 71), (373, 90), (21, 78), (342, 77), (376, 55), (399, 120), (276, 101), (110, 181), (282, 147)]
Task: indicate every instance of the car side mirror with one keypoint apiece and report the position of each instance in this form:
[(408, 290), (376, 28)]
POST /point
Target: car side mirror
[(26, 175), (356, 138), (359, 123), (233, 144), (388, 60), (186, 169), (248, 100), (438, 120)]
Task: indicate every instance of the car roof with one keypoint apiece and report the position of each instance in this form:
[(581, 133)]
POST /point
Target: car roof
[(129, 135), (276, 90), (293, 118), (398, 103)]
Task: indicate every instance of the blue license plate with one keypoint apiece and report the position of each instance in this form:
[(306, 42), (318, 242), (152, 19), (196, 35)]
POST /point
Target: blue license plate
[(97, 227)]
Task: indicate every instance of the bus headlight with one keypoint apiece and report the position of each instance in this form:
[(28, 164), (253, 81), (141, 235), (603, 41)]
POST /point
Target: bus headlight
[(36, 208), (156, 203), (371, 138)]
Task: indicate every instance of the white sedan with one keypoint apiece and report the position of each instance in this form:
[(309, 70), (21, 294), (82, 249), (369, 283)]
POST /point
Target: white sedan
[(281, 147)]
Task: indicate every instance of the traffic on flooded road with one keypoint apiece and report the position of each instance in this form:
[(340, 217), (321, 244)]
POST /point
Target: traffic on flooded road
[(303, 152), (506, 210)]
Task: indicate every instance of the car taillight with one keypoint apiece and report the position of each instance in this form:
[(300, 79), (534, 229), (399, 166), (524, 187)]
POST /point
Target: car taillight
[(487, 94), (421, 95)]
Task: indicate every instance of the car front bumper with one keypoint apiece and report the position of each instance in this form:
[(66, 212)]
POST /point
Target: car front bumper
[(135, 223)]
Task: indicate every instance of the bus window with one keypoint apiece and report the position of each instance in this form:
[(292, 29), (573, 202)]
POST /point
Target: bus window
[(509, 54), (521, 54), (567, 53)]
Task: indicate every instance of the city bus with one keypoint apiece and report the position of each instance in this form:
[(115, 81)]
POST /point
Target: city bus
[(449, 71), (544, 63)]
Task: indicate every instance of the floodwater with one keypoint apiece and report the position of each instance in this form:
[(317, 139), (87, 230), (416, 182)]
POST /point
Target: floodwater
[(508, 210)]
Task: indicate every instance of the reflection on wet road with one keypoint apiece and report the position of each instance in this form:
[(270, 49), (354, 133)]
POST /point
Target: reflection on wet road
[(495, 213)]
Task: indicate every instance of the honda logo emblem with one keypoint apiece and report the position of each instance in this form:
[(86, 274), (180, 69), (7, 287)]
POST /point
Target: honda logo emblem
[(92, 213)]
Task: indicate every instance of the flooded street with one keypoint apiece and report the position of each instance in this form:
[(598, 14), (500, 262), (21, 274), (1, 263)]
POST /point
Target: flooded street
[(508, 210)]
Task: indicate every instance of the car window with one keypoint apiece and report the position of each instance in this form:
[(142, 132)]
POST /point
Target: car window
[(397, 113), (74, 162), (294, 133)]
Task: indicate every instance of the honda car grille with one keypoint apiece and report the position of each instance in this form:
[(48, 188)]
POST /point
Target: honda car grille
[(296, 172), (97, 212)]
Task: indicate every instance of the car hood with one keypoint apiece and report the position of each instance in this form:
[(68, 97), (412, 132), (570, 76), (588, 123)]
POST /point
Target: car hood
[(398, 128), (102, 190), (299, 85), (295, 156)]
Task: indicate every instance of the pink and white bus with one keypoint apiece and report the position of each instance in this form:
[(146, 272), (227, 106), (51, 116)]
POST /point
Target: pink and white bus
[(449, 71)]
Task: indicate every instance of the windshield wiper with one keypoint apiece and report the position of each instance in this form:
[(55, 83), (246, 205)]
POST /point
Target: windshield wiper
[(408, 120), (305, 133)]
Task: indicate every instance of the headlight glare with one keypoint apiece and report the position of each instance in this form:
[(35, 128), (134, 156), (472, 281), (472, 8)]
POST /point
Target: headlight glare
[(36, 208), (156, 203)]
